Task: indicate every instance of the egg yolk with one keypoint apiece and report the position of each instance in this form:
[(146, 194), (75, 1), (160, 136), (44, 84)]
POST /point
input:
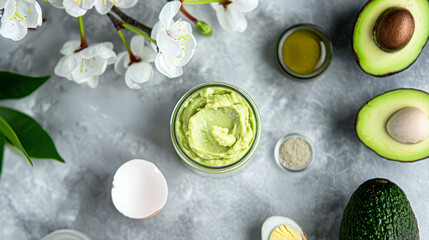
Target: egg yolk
[(285, 232)]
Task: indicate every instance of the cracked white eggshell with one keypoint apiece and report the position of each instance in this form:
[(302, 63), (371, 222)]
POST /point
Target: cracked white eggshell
[(139, 189), (272, 222)]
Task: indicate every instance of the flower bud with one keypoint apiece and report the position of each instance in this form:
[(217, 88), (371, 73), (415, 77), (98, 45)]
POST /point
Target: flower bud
[(204, 28)]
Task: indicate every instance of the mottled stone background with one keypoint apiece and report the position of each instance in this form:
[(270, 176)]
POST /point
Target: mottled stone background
[(96, 130)]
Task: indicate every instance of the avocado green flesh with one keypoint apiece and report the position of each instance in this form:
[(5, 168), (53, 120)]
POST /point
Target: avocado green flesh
[(373, 117), (374, 60), (215, 126), (379, 209)]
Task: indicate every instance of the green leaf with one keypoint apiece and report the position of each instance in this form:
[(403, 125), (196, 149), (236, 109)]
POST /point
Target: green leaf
[(1, 152), (8, 132), (15, 86), (35, 140)]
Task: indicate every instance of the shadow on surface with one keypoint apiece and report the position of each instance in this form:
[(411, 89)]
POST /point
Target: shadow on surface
[(255, 233), (345, 125), (270, 52), (270, 55), (159, 127), (328, 226), (93, 189), (342, 33)]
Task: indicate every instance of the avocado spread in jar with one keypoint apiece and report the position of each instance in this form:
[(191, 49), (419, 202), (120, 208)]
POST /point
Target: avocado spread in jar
[(215, 126)]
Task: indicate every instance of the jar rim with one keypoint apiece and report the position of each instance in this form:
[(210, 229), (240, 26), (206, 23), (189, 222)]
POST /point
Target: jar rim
[(215, 169), (70, 233)]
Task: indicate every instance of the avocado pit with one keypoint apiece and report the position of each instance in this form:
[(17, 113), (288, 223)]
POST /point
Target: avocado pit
[(409, 125), (394, 29)]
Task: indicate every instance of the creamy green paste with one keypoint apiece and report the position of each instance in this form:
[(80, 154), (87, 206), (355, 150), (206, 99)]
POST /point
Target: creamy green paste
[(215, 126)]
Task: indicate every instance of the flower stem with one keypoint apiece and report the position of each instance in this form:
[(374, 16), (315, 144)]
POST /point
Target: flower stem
[(118, 24), (133, 58), (83, 43), (132, 28), (194, 2), (125, 42), (131, 21), (188, 15)]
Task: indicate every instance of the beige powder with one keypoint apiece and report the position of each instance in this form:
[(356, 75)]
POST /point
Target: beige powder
[(295, 153)]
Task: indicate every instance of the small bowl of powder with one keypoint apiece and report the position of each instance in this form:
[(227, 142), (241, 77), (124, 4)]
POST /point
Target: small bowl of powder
[(294, 153)]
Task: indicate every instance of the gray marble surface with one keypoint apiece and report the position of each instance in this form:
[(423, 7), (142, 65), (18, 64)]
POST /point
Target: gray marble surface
[(96, 130)]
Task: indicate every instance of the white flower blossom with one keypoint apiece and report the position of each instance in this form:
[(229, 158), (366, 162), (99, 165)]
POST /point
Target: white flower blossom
[(174, 40), (78, 8), (19, 15), (56, 3), (104, 6), (86, 65), (230, 13), (136, 73)]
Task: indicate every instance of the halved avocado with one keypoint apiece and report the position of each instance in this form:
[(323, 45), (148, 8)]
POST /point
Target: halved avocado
[(372, 57), (371, 125)]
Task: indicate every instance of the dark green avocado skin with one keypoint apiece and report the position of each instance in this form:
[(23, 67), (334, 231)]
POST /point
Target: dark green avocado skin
[(379, 209)]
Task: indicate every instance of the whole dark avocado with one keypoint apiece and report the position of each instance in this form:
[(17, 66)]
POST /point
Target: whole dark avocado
[(379, 209)]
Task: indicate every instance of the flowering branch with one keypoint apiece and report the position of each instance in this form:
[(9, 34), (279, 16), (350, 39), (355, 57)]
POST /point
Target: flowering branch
[(131, 21), (173, 46), (116, 23), (119, 24)]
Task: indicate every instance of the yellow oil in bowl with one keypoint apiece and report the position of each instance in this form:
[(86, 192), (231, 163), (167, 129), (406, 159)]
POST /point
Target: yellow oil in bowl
[(304, 52)]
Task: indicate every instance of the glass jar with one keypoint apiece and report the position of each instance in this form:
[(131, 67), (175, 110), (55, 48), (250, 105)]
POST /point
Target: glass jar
[(66, 234), (202, 168)]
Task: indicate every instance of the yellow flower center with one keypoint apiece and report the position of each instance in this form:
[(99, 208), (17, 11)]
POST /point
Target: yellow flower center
[(16, 15)]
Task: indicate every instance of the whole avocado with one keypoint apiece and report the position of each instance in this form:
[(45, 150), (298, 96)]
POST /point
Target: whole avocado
[(379, 209)]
